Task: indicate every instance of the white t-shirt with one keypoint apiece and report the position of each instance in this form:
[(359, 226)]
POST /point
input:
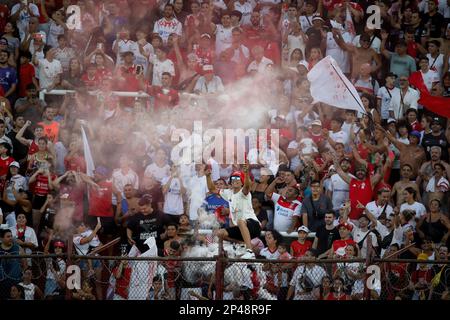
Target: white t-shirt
[(315, 274), (159, 173), (83, 249), (197, 188), (165, 28), (386, 95), (173, 199), (29, 290), (24, 17), (294, 161), (358, 235), (214, 86), (340, 191), (48, 71), (140, 59), (159, 67), (246, 9), (261, 66), (296, 42), (54, 31), (400, 103), (436, 64), (305, 22), (417, 207), (284, 212), (340, 55), (340, 136), (240, 205), (121, 179), (124, 46), (429, 78), (376, 210), (223, 38)]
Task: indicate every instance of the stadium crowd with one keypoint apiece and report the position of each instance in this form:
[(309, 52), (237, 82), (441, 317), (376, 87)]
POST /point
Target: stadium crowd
[(347, 184)]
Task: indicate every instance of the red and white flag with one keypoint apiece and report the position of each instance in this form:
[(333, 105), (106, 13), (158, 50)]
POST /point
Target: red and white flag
[(349, 25), (90, 167)]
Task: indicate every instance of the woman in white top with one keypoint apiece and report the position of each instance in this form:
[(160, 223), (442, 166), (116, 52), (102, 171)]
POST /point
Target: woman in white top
[(30, 289)]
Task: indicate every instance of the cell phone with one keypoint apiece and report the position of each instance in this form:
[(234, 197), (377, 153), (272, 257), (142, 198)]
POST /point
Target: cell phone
[(100, 46), (139, 69)]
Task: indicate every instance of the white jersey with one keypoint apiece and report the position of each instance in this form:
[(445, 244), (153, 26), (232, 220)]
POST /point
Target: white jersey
[(48, 72), (376, 210), (159, 67), (436, 64), (140, 59), (240, 205), (417, 207), (305, 22), (165, 28), (223, 38), (429, 78), (124, 46), (83, 249), (340, 136), (340, 190), (339, 54), (158, 173), (284, 212), (54, 31), (198, 188), (246, 9), (173, 199)]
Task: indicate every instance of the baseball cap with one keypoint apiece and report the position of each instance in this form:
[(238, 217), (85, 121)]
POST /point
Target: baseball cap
[(436, 120), (317, 17), (126, 53), (14, 164), (303, 63), (391, 120), (316, 123), (205, 35), (346, 225), (59, 244), (415, 133), (303, 228), (207, 68)]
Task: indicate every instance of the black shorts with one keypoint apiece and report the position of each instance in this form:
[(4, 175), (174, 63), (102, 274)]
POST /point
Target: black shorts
[(38, 202), (109, 226), (253, 227)]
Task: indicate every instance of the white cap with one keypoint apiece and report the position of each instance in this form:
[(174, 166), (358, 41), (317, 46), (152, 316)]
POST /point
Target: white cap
[(303, 63), (303, 228), (316, 123), (14, 164)]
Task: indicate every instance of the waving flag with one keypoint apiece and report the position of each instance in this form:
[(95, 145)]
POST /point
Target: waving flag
[(329, 85), (349, 25), (90, 167)]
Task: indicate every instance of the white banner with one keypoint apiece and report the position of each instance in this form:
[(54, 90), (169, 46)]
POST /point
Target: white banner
[(90, 167), (329, 85)]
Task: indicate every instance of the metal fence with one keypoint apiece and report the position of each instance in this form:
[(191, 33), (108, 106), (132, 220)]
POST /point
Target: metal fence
[(220, 278)]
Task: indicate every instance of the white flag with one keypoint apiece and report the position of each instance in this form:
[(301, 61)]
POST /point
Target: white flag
[(329, 85), (90, 167), (349, 25)]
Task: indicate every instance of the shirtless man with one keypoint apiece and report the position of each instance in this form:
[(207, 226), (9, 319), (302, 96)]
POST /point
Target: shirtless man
[(412, 153), (361, 55), (405, 182), (426, 170), (172, 235)]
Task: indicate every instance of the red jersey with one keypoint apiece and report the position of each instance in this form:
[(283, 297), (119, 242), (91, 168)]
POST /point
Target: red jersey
[(91, 82), (101, 200), (26, 74), (273, 52), (359, 191), (416, 126), (33, 148), (41, 187), (205, 56), (123, 283), (164, 98), (253, 37), (342, 243), (75, 163), (317, 139), (76, 195), (51, 131), (4, 165), (411, 49), (102, 74), (298, 249)]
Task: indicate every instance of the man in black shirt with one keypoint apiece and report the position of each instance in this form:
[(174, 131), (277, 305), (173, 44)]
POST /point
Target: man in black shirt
[(325, 235), (20, 151), (145, 224), (436, 138), (315, 206)]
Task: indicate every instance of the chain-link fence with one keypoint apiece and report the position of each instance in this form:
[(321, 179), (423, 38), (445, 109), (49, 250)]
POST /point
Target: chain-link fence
[(123, 278)]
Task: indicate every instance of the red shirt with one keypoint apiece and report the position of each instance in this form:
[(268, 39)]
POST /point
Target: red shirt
[(101, 200), (273, 52), (359, 191), (91, 82), (102, 74), (75, 163), (51, 130), (253, 37), (123, 283), (205, 56), (163, 98), (342, 243), (317, 139), (33, 148), (26, 74), (4, 165), (76, 195), (41, 187), (416, 126), (298, 249)]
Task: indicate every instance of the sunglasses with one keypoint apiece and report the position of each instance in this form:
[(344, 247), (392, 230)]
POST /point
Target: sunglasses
[(235, 178)]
